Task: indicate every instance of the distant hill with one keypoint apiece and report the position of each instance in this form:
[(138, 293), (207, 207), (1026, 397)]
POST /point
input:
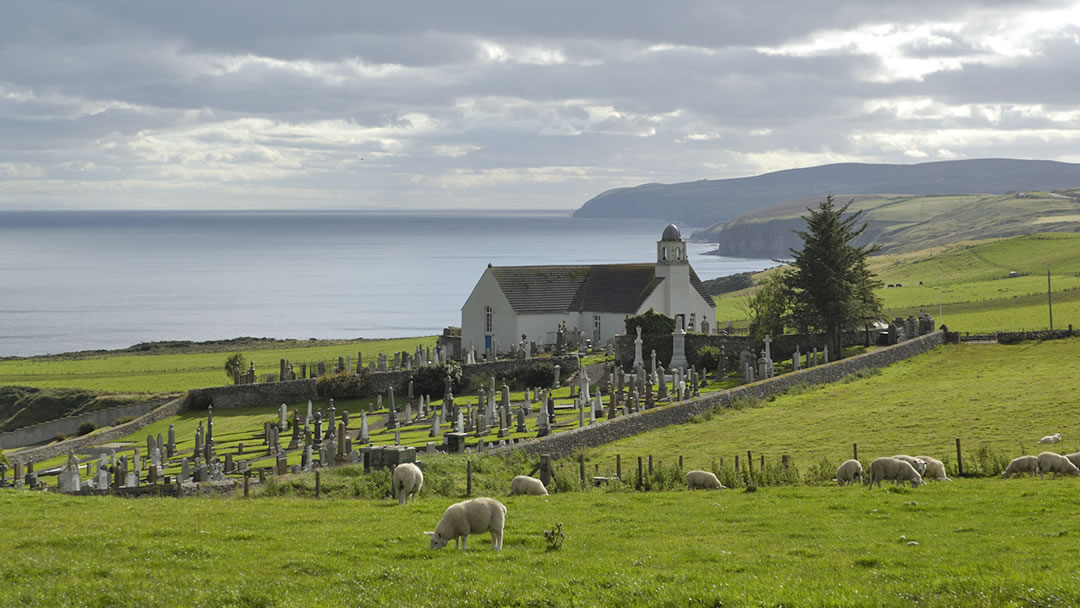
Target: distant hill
[(708, 202), (899, 223)]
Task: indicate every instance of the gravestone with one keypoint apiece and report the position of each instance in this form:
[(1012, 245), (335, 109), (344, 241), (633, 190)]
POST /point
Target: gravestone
[(678, 348), (69, 480), (796, 359), (171, 446), (363, 436)]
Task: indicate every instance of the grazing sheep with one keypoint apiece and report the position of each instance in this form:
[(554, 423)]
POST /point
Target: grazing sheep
[(848, 472), (1074, 458), (407, 480), (893, 469), (531, 486), (1021, 464), (1055, 438), (916, 463), (470, 517), (1057, 464), (935, 469), (703, 480)]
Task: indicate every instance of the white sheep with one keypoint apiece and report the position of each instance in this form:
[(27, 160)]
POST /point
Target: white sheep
[(1055, 438), (407, 481), (1057, 464), (470, 517), (848, 472), (1021, 464), (1074, 458), (935, 469), (530, 486), (916, 463), (893, 469), (703, 480)]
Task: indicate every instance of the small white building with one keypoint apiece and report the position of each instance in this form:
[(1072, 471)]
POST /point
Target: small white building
[(511, 301)]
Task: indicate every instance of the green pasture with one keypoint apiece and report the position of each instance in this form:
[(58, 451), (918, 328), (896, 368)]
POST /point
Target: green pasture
[(967, 543), (971, 283), (182, 372), (995, 398)]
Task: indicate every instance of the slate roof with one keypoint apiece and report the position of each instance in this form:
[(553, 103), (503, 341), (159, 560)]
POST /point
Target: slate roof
[(619, 288)]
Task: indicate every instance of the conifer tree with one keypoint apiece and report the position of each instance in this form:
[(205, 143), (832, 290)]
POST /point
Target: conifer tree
[(831, 288)]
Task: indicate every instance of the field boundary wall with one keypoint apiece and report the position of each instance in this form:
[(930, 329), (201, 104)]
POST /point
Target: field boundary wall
[(69, 425), (170, 408), (566, 443)]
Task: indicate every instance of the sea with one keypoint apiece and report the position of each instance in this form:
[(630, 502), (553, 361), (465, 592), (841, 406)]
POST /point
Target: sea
[(85, 280)]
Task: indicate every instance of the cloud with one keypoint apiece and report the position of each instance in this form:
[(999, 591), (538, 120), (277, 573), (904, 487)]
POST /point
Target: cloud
[(484, 103)]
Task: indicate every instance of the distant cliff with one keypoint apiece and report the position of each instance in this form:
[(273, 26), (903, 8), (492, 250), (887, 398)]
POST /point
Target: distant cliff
[(708, 202)]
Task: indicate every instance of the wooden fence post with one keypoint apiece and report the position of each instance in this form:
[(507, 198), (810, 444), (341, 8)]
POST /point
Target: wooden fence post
[(545, 469), (680, 462), (318, 484), (959, 460), (618, 466), (749, 462), (468, 477), (247, 482), (855, 450), (581, 468), (639, 477)]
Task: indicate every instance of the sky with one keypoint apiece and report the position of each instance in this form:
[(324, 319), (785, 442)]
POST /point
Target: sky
[(509, 104)]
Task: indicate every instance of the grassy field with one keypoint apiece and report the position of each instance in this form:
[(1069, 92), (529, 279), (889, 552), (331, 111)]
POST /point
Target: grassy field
[(969, 543), (976, 294), (132, 373), (1000, 399)]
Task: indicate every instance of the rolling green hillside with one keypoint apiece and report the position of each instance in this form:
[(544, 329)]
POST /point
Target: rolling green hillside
[(905, 223), (976, 291)]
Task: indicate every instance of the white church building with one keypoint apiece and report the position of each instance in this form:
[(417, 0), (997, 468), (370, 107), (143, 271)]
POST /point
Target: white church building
[(511, 301)]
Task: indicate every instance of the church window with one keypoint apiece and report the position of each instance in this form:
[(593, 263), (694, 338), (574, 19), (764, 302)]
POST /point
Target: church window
[(487, 319), (663, 253), (596, 324)]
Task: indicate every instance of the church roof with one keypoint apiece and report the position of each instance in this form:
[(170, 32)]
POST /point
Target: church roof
[(619, 288)]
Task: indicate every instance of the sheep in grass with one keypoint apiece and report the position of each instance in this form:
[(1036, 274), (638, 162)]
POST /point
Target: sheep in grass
[(916, 463), (1055, 438), (407, 481), (1074, 458), (470, 517), (935, 469), (892, 469), (848, 472), (530, 486), (703, 480), (1057, 464), (1021, 464)]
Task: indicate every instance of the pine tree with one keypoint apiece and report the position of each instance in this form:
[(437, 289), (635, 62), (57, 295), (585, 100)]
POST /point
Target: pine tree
[(831, 288)]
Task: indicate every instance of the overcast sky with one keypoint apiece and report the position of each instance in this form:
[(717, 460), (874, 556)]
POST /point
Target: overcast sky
[(513, 104)]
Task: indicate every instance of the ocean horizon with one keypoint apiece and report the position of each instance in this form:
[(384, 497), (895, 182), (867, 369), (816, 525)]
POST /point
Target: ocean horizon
[(87, 280)]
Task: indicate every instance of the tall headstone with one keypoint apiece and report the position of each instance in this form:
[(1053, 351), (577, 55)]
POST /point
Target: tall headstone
[(678, 349), (283, 413), (796, 359), (363, 436), (170, 448), (639, 359)]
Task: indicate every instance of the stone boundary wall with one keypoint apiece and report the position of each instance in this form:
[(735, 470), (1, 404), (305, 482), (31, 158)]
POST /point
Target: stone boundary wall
[(783, 347), (1015, 337), (45, 431), (298, 391), (566, 443), (52, 450)]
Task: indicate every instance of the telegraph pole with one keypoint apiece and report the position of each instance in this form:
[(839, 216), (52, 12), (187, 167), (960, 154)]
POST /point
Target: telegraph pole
[(1049, 300)]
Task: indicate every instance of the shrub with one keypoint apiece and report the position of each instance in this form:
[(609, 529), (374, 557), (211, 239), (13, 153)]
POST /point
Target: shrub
[(656, 331), (554, 538), (708, 358), (343, 385), (536, 374), (86, 428), (59, 437), (431, 379)]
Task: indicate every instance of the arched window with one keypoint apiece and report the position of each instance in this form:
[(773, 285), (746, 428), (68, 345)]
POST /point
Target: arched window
[(678, 253), (487, 319), (663, 254)]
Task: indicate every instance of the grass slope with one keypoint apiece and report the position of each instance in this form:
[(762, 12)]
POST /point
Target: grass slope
[(998, 398), (976, 543), (132, 373), (976, 293)]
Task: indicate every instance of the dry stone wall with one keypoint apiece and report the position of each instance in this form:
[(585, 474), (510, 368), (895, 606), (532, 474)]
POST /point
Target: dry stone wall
[(53, 450), (566, 443), (45, 431)]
